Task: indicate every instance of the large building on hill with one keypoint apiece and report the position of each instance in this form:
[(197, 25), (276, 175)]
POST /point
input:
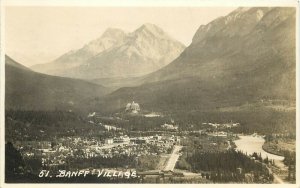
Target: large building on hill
[(133, 107)]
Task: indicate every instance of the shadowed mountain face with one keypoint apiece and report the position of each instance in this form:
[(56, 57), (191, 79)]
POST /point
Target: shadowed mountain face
[(117, 54), (28, 90), (246, 56)]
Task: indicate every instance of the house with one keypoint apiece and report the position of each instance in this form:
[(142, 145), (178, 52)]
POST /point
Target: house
[(157, 137), (169, 126), (109, 141), (139, 140)]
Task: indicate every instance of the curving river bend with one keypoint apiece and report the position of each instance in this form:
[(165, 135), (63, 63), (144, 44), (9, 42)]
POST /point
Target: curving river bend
[(251, 144)]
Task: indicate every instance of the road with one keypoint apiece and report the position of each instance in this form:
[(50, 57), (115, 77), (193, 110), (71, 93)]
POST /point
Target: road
[(277, 179), (173, 158), (229, 145)]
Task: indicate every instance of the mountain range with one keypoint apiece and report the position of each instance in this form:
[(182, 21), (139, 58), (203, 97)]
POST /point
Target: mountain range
[(117, 54), (244, 57)]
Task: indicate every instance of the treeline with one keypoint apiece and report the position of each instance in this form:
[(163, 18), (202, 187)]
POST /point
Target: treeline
[(44, 125), (42, 117), (228, 161), (252, 119), (259, 120)]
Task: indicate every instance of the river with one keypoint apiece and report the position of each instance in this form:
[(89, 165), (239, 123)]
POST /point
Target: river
[(251, 144)]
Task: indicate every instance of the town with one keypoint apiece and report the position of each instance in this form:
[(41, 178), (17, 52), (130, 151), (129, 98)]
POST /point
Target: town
[(77, 147), (112, 144)]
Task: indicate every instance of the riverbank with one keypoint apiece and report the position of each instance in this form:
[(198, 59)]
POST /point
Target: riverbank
[(271, 148), (278, 147), (250, 144)]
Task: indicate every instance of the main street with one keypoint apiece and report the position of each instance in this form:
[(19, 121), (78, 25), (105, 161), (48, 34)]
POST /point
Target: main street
[(173, 158)]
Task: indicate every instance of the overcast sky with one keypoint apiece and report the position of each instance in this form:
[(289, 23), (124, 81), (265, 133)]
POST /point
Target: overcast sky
[(41, 34)]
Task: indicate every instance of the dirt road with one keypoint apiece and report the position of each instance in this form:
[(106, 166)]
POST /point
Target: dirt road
[(173, 159)]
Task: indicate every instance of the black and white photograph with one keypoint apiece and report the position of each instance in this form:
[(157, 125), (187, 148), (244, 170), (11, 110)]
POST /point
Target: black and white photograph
[(178, 94)]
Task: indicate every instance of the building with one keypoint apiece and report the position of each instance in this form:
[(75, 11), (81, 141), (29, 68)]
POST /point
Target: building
[(121, 139), (157, 137), (139, 140), (133, 107), (169, 126), (109, 141)]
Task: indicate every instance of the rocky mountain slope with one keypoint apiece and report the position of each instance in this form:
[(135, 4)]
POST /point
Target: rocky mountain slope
[(244, 57), (28, 90), (118, 54)]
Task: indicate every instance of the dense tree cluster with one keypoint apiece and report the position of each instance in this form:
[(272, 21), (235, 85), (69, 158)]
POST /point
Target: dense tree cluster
[(290, 161), (259, 120), (228, 166), (44, 125), (147, 162), (42, 117), (14, 163), (229, 160)]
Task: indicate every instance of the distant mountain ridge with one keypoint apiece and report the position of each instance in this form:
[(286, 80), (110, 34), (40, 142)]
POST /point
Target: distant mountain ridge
[(244, 57), (28, 90), (117, 54)]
